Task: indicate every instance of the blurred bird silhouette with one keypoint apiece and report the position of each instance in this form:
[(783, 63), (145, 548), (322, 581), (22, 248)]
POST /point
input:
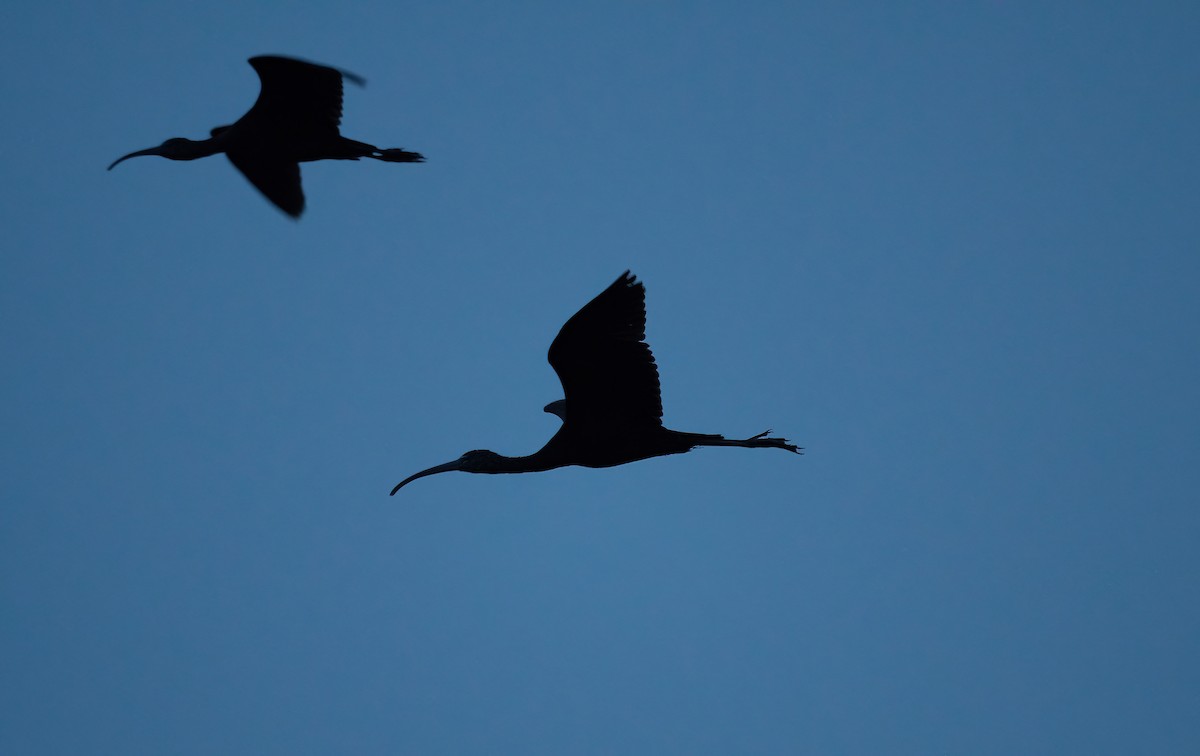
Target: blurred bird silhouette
[(295, 120), (612, 413)]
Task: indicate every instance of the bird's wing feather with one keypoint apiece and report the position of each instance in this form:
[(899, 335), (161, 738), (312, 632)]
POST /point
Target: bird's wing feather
[(606, 368), (303, 95), (278, 180)]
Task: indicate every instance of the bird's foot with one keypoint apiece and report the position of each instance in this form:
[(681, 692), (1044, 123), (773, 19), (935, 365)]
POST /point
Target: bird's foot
[(398, 156), (778, 443)]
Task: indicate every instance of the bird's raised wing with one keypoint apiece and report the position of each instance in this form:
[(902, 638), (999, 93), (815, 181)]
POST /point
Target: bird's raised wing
[(278, 180), (606, 368), (301, 95)]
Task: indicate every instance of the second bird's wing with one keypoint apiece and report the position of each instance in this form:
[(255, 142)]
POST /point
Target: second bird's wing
[(302, 95), (278, 180)]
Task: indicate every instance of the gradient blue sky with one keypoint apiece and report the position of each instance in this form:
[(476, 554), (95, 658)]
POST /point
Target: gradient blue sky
[(949, 247)]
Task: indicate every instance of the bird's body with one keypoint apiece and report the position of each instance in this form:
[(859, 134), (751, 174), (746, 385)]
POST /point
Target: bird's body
[(294, 120), (612, 413)]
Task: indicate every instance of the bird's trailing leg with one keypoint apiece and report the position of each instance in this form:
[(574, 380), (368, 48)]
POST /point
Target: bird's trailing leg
[(761, 441), (352, 149)]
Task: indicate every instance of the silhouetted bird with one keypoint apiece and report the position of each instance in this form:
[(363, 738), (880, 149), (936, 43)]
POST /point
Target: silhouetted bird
[(612, 413), (295, 120)]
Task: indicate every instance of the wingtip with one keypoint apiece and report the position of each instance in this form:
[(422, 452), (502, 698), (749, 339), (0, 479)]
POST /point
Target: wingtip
[(256, 60)]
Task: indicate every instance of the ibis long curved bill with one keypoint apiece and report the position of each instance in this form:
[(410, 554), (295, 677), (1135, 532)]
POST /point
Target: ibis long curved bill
[(448, 467), (139, 153)]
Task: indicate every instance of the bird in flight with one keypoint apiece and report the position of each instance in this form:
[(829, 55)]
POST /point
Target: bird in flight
[(612, 413), (294, 120)]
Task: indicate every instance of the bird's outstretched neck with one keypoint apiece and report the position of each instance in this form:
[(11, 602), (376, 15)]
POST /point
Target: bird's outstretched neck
[(484, 461), (179, 148)]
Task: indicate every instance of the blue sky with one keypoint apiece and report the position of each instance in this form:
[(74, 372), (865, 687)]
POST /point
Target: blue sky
[(950, 248)]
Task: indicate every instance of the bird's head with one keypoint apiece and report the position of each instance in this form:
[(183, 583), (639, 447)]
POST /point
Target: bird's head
[(474, 461), (176, 148)]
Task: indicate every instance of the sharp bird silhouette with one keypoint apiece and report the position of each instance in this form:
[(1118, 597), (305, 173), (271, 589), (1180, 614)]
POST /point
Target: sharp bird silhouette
[(612, 413), (295, 120)]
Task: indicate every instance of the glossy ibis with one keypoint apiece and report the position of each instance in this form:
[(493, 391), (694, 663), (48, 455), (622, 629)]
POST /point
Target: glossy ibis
[(294, 120), (612, 413)]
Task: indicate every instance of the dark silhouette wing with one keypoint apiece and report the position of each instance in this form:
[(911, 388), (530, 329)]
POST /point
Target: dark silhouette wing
[(299, 95), (278, 180), (606, 368)]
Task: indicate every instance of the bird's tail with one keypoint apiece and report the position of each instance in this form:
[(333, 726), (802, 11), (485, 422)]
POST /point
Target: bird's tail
[(761, 441), (396, 155)]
